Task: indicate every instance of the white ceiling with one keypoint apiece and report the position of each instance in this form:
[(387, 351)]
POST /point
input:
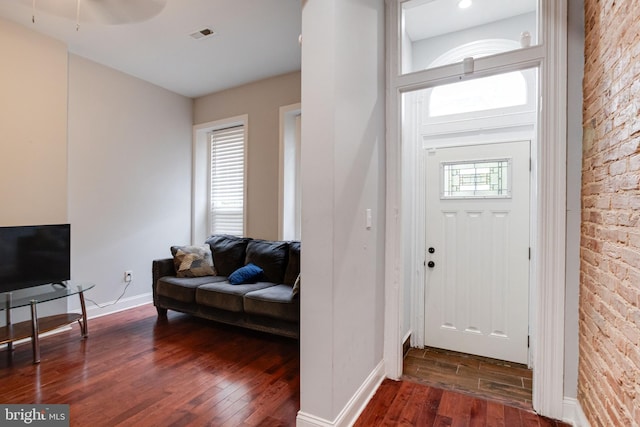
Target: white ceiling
[(254, 39)]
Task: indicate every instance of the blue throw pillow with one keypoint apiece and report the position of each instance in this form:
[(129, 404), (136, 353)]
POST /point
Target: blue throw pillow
[(250, 273)]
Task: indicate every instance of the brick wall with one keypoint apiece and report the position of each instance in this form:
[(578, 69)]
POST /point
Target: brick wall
[(609, 366)]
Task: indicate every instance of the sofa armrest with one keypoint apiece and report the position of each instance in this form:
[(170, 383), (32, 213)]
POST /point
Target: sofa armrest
[(161, 268)]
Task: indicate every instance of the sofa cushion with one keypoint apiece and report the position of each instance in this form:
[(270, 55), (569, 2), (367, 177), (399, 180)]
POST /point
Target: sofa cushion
[(293, 264), (226, 296), (183, 288), (270, 256), (250, 273), (228, 252), (193, 261), (275, 301)]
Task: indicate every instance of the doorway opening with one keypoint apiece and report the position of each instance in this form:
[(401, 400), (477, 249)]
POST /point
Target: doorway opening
[(467, 151), (541, 46)]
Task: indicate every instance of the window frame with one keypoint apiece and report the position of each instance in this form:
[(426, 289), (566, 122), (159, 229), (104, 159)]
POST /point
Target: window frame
[(406, 44), (210, 192), (445, 126), (200, 174), (516, 115), (289, 196)]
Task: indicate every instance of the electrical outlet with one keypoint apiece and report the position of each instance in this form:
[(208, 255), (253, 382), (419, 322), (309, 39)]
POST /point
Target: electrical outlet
[(128, 276)]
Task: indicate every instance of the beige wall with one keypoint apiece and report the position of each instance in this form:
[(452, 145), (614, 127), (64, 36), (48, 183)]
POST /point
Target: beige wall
[(261, 101), (33, 127), (129, 179), (609, 342), (104, 151)]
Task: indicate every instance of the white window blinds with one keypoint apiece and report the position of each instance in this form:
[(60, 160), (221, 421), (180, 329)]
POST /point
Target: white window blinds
[(226, 202)]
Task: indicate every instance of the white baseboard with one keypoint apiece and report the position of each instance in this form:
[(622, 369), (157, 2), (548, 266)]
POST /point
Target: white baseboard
[(352, 409), (111, 307), (307, 420), (572, 413), (94, 311)]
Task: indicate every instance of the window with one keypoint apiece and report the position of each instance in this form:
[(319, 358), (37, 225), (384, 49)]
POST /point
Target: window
[(289, 210), (488, 93), (226, 181), (499, 103), (473, 180), (431, 27), (484, 96)]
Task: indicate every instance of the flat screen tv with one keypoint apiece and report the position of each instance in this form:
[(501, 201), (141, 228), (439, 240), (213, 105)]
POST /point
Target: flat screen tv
[(34, 255)]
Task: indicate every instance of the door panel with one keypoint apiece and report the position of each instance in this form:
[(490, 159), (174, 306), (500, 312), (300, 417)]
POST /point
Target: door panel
[(477, 292)]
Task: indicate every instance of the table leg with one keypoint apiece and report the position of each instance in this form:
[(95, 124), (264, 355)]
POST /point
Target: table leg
[(83, 327), (8, 319), (35, 341)]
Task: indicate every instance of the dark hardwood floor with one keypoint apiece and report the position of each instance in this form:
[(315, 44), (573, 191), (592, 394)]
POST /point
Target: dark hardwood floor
[(133, 371), (406, 403), (136, 371)]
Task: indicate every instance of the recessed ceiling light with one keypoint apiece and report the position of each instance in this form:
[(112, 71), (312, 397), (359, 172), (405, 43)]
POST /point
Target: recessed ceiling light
[(463, 4)]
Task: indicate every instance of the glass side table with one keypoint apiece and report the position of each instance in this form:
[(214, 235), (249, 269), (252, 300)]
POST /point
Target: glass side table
[(32, 328)]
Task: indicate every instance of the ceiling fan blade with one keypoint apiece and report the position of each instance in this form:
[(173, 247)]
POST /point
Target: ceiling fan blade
[(108, 12), (115, 12)]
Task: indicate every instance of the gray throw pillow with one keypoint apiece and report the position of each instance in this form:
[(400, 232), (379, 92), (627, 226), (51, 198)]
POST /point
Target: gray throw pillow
[(193, 261)]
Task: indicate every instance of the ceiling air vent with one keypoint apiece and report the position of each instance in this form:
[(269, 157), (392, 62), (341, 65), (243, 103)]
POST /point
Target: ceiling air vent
[(204, 33)]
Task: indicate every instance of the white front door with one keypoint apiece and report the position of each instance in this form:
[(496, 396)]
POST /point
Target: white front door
[(477, 239)]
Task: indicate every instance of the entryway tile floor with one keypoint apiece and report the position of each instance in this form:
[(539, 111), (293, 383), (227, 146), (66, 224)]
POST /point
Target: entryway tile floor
[(505, 382)]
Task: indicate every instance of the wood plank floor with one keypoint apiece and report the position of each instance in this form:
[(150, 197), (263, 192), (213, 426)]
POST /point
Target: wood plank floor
[(406, 403), (136, 371), (133, 371), (509, 383)]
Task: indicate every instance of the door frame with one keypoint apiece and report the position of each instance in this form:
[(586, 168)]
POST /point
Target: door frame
[(414, 214), (548, 257)]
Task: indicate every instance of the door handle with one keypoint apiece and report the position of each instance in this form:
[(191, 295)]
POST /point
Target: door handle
[(431, 264)]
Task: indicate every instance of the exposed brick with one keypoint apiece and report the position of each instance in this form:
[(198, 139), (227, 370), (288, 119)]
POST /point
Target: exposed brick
[(603, 202), (629, 182), (630, 256), (634, 316), (609, 218), (621, 306), (634, 355), (609, 306), (634, 201), (634, 161), (619, 201), (621, 344), (620, 271), (627, 291), (618, 168), (631, 332)]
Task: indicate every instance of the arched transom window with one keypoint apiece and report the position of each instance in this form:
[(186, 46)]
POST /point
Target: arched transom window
[(482, 94)]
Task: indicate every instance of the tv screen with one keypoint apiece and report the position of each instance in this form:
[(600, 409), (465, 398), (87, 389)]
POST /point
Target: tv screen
[(34, 255)]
